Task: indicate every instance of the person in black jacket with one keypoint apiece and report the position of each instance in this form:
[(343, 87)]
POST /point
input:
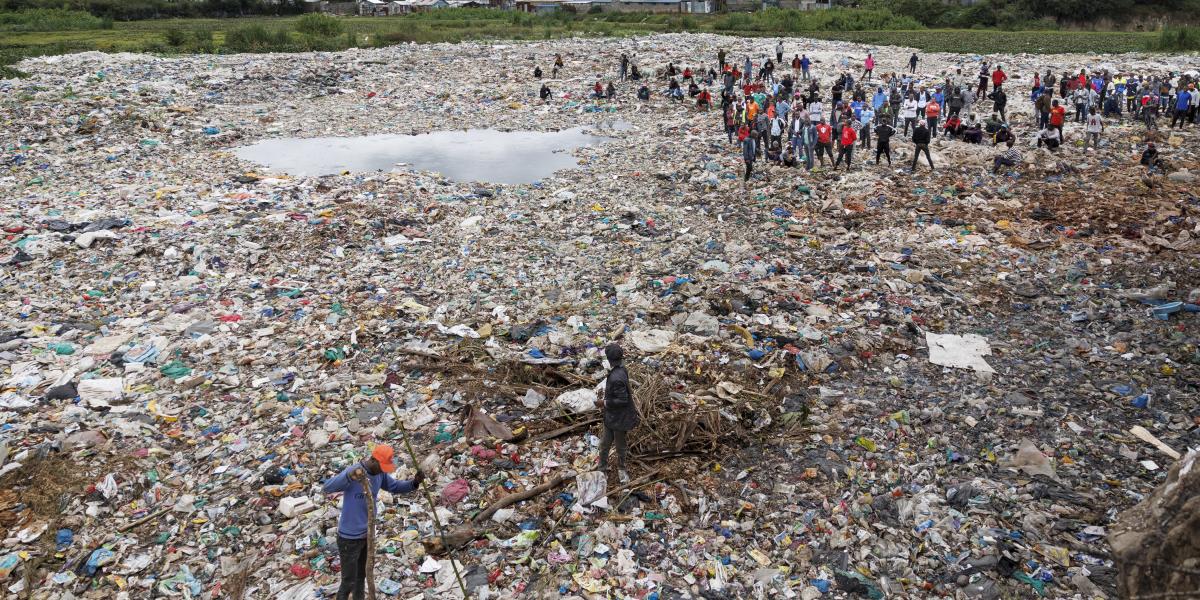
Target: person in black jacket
[(920, 138), (883, 134), (620, 413), (999, 103)]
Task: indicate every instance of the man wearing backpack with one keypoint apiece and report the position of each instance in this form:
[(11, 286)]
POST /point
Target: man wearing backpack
[(620, 412)]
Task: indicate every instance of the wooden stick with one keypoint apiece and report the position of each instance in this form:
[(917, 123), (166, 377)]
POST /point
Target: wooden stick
[(361, 477), (1149, 438), (154, 515), (437, 521), (525, 495), (549, 435)]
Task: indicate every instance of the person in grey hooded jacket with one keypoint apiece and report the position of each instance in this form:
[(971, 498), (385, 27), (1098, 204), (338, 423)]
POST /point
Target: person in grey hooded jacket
[(620, 413)]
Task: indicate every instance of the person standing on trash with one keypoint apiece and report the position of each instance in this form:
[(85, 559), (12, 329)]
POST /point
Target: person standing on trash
[(912, 63), (921, 138), (749, 155), (883, 144), (998, 77), (544, 93), (847, 136), (1095, 126), (353, 525), (620, 412), (624, 68), (721, 58), (999, 102), (779, 52)]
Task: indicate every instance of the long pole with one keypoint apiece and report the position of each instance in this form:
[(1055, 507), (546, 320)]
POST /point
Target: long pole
[(366, 486), (428, 498)]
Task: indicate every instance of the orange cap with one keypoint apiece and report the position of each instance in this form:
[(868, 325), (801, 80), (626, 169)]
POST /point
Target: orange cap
[(384, 453)]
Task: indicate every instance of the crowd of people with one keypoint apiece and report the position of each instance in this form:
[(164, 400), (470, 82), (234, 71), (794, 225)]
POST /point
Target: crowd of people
[(792, 117)]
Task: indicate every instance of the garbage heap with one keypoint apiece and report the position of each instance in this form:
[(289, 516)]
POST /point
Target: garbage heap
[(1156, 544), (860, 384)]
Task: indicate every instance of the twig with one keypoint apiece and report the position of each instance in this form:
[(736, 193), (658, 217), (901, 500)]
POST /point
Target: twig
[(549, 435), (142, 521), (515, 498)]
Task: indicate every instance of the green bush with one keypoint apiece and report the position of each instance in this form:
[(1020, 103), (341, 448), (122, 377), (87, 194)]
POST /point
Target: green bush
[(202, 42), (256, 38), (320, 25), (175, 37), (1177, 39), (51, 19), (776, 20)]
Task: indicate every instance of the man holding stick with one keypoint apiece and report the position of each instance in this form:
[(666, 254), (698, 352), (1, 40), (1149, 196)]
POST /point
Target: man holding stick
[(353, 524)]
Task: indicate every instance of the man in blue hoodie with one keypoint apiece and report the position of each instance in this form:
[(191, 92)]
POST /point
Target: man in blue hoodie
[(352, 526)]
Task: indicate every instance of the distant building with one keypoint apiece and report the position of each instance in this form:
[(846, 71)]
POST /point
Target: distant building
[(753, 5), (652, 6)]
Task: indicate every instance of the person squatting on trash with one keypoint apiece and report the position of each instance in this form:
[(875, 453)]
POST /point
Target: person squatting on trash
[(620, 413), (352, 525)]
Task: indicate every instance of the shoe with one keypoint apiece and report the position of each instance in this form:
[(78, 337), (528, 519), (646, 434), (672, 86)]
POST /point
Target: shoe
[(623, 476)]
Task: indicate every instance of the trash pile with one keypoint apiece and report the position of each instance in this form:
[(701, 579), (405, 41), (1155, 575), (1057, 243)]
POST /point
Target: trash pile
[(861, 384)]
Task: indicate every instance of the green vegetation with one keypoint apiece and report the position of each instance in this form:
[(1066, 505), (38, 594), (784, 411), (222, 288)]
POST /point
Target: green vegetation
[(319, 25), (792, 21), (51, 19), (1181, 39), (34, 33), (132, 10), (1028, 14), (990, 41)]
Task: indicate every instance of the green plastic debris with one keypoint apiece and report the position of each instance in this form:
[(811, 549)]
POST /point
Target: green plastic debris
[(338, 309), (1038, 585), (175, 369), (332, 354), (866, 443), (62, 349)]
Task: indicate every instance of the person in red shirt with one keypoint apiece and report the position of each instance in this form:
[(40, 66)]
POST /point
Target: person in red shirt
[(998, 77), (704, 99), (1058, 115), (687, 73), (932, 111), (848, 138), (953, 126), (824, 141)]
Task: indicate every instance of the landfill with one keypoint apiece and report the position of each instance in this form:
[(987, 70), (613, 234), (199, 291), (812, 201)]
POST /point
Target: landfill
[(862, 384)]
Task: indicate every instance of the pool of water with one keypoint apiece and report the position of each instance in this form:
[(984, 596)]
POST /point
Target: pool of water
[(484, 155)]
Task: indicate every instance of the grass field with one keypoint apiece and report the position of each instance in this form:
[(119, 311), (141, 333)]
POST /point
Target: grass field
[(208, 35)]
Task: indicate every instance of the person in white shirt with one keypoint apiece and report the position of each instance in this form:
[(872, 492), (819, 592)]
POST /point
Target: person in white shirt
[(908, 112), (815, 110), (1095, 126), (1049, 137)]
